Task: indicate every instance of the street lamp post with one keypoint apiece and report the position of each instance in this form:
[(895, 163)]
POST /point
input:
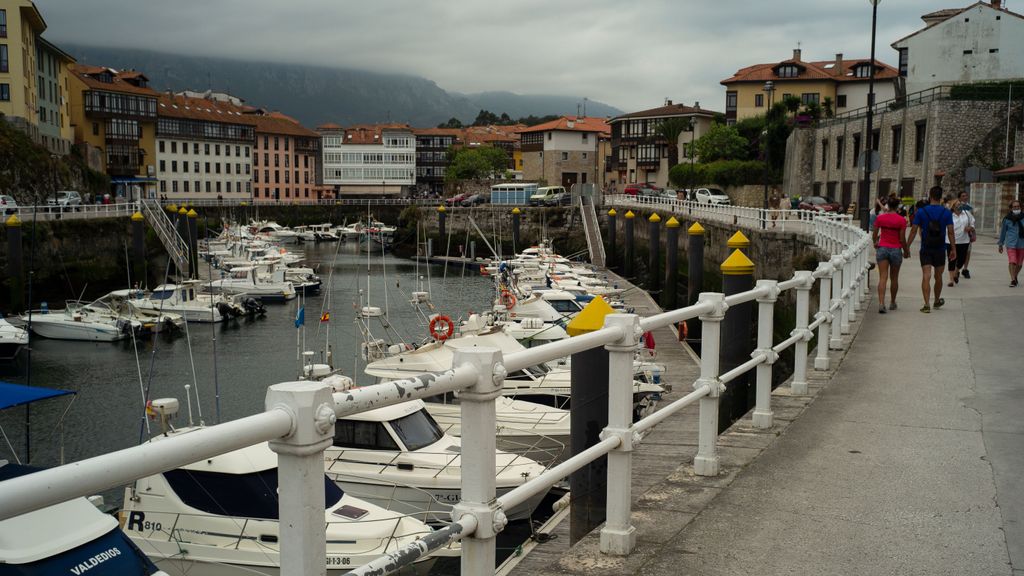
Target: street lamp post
[(769, 87), (865, 190)]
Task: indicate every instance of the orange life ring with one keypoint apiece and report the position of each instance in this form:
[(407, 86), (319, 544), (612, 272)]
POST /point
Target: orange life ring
[(444, 334), (684, 331), (507, 299), (483, 270)]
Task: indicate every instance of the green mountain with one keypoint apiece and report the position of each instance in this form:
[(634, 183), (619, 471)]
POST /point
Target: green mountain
[(315, 95)]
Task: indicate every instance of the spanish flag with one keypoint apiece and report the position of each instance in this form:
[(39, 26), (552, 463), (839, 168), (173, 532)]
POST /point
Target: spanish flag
[(325, 317)]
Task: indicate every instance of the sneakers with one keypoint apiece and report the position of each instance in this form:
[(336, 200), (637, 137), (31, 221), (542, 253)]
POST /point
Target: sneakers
[(926, 309), (881, 309), (892, 306), (939, 303), (1013, 283), (967, 273)]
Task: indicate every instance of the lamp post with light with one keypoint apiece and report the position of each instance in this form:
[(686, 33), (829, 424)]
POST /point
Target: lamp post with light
[(865, 190), (769, 87)]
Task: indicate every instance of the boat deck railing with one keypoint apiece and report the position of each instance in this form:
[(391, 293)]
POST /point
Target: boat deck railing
[(299, 417)]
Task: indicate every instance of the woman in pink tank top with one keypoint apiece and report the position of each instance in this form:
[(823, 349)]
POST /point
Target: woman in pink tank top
[(890, 238)]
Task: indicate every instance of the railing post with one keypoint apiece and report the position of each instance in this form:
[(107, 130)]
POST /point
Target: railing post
[(803, 310), (618, 537), (765, 331), (836, 342), (705, 463), (300, 470), (478, 459), (866, 256), (854, 282), (847, 293)]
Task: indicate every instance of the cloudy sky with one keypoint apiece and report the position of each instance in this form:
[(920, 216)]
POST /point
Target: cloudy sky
[(631, 55)]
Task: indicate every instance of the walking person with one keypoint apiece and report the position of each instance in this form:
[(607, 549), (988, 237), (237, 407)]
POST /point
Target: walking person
[(966, 206), (1011, 236), (890, 237), (935, 223), (963, 224)]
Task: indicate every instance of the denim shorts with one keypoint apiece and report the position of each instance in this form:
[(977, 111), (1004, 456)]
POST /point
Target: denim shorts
[(893, 255)]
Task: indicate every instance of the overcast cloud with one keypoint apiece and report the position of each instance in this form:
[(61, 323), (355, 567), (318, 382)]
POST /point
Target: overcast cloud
[(631, 55)]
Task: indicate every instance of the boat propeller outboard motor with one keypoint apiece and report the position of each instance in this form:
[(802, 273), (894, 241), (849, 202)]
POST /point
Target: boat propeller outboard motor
[(254, 306), (227, 310)]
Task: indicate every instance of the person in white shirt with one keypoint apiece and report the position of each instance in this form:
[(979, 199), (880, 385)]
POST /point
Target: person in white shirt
[(963, 223)]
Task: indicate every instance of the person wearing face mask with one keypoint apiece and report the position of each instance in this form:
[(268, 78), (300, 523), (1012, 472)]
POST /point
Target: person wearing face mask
[(963, 222), (1011, 236)]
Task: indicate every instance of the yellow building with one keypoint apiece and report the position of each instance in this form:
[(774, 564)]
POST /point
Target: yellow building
[(114, 116), (33, 77), (839, 84)]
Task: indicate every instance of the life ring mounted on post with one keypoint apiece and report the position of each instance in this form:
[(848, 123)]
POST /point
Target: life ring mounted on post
[(507, 299), (441, 327)]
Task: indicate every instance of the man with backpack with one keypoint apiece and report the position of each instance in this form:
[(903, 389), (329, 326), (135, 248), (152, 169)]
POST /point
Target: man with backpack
[(935, 222)]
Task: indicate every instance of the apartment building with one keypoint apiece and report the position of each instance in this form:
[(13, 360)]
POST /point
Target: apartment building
[(368, 160), (287, 159), (981, 42), (204, 147), (114, 117), (638, 154), (842, 82), (33, 77), (564, 151), (432, 146)]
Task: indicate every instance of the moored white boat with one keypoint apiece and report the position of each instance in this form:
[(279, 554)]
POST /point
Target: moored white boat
[(245, 280), (186, 299), (224, 512), (399, 458), (76, 322), (12, 340)]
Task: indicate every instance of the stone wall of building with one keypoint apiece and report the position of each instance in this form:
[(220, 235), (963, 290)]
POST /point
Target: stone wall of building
[(957, 134)]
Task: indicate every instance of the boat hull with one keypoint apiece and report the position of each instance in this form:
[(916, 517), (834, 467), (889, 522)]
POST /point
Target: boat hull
[(10, 350), (430, 505), (82, 331)]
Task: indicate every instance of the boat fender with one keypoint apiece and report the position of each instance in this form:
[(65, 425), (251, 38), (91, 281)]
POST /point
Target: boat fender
[(441, 327)]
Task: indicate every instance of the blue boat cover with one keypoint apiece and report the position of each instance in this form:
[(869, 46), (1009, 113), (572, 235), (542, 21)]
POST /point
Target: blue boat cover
[(16, 394), (112, 554)]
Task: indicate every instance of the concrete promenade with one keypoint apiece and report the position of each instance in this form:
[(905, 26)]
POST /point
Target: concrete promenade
[(906, 458)]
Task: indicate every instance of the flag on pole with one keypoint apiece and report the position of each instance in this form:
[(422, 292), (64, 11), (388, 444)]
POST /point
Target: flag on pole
[(300, 317), (325, 317)]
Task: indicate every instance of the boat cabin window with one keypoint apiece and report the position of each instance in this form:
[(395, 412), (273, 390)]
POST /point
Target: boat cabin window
[(362, 435), (161, 294), (564, 306), (240, 274), (417, 430), (252, 495)]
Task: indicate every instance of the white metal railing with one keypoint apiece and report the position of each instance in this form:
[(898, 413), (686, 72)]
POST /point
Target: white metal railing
[(76, 212), (800, 221), (299, 416), (168, 234)]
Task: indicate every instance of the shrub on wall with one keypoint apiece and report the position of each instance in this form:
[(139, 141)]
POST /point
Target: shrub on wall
[(721, 172)]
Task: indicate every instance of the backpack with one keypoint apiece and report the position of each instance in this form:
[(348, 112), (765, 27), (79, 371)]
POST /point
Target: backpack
[(933, 239)]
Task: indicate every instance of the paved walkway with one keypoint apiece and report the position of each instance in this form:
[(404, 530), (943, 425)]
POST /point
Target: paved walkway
[(908, 460)]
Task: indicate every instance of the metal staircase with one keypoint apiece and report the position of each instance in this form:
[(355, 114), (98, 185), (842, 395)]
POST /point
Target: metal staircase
[(595, 244), (176, 247)]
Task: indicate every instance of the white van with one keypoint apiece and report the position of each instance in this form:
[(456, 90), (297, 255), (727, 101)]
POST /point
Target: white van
[(548, 196)]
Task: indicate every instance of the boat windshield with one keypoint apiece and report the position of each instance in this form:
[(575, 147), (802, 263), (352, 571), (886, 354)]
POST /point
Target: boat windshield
[(564, 305), (251, 495), (417, 430)]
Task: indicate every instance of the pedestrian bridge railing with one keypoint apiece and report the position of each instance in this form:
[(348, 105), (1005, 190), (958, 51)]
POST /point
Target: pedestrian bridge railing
[(299, 417), (84, 211)]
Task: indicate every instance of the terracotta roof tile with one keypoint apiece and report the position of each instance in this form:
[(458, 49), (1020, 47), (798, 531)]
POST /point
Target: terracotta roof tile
[(669, 110), (810, 71), (277, 123), (364, 133), (572, 124), (120, 82), (177, 106)]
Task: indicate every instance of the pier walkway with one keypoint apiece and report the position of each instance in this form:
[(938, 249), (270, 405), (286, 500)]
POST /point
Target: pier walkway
[(905, 459)]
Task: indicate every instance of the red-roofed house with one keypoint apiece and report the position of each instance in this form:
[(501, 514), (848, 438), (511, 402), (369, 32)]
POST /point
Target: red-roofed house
[(286, 162), (981, 42), (843, 81), (565, 151)]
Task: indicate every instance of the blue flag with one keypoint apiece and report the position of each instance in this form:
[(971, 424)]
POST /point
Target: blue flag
[(300, 317)]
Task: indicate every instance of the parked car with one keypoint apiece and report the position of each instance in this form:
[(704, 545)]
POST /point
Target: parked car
[(66, 200), (559, 199), (819, 203), (642, 189), (9, 204), (545, 194), (474, 200), (711, 196), (457, 199)]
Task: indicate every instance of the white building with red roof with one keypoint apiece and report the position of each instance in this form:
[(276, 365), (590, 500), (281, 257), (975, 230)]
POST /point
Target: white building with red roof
[(565, 151)]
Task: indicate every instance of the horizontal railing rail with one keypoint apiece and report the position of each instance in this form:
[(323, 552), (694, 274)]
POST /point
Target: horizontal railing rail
[(299, 419), (47, 212)]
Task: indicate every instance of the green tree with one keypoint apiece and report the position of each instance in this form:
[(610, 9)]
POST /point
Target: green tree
[(452, 122), (827, 107), (669, 130), (721, 142), (792, 103), (475, 163)]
